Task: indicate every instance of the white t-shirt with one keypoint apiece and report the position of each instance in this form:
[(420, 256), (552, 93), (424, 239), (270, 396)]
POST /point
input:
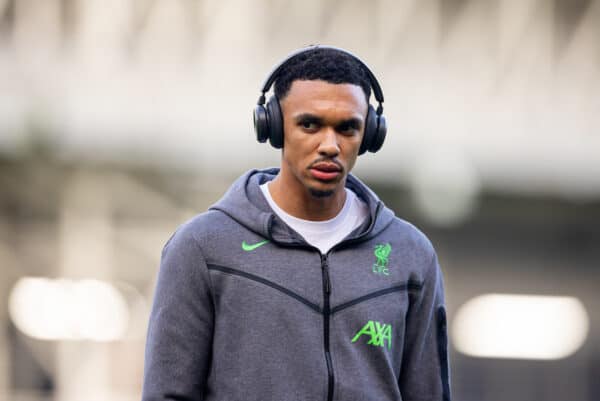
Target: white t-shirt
[(324, 234)]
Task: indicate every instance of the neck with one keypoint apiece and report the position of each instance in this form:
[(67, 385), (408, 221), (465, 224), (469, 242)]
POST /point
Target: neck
[(298, 201)]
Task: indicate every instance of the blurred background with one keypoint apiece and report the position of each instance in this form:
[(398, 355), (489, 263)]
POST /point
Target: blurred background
[(120, 119)]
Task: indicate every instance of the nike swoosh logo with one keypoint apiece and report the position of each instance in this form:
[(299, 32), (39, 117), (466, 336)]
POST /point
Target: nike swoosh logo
[(250, 247)]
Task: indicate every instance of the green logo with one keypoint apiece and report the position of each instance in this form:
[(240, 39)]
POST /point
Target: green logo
[(379, 332), (250, 247), (381, 253)]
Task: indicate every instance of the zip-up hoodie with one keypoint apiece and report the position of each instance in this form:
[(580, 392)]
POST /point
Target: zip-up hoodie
[(246, 310)]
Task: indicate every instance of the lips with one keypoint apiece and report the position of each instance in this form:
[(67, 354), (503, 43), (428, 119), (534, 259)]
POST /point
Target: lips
[(325, 171)]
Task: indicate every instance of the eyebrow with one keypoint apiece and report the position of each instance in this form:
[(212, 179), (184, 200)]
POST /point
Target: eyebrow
[(352, 122), (308, 117)]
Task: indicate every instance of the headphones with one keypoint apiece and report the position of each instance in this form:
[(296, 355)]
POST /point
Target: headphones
[(268, 119)]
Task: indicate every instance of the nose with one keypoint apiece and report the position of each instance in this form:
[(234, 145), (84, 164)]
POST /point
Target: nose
[(329, 143)]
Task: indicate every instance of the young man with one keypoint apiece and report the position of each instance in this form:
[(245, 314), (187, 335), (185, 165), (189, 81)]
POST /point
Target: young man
[(299, 284)]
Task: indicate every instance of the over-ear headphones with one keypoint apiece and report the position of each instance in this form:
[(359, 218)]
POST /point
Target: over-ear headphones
[(268, 119)]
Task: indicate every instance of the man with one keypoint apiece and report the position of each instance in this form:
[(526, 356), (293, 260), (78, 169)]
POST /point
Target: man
[(299, 284)]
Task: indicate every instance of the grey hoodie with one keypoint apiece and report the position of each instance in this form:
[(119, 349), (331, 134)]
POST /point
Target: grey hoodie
[(238, 318)]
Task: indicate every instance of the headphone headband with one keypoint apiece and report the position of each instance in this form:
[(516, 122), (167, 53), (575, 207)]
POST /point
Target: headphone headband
[(275, 72)]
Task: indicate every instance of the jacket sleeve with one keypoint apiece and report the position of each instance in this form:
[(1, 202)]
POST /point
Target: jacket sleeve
[(425, 372), (180, 329)]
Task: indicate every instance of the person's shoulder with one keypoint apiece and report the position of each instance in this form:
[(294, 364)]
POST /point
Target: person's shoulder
[(199, 228), (411, 237)]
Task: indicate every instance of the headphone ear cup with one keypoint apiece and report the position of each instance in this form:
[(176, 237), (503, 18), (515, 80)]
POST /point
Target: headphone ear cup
[(275, 119), (379, 136), (370, 130), (261, 123)]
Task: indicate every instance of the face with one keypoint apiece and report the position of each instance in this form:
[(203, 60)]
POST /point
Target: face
[(323, 128)]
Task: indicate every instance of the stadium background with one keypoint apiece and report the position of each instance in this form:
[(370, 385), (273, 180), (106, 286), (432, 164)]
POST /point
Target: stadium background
[(120, 119)]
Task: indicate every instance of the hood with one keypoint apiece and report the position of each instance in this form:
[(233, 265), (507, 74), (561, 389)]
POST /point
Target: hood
[(245, 203)]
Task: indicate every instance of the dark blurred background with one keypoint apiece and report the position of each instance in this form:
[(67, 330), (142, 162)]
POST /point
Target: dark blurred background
[(120, 119)]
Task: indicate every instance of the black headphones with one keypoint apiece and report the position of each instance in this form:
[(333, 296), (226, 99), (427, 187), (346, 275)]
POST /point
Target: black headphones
[(268, 120)]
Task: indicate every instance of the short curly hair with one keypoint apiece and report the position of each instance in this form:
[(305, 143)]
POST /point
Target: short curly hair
[(327, 64)]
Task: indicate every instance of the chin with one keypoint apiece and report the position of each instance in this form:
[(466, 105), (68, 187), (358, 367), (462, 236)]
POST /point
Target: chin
[(321, 193), (324, 190)]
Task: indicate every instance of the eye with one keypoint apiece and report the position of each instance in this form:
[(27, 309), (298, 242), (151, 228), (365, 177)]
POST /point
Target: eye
[(309, 125), (348, 128)]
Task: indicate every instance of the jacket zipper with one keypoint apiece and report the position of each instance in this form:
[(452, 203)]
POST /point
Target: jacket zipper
[(327, 308), (326, 315), (326, 295)]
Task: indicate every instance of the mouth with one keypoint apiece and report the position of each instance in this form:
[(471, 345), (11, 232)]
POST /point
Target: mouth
[(325, 171)]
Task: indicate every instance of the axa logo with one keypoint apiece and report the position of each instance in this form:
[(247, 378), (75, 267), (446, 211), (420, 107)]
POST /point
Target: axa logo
[(378, 334)]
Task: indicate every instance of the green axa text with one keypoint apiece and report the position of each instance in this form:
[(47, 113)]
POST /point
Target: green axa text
[(379, 332)]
